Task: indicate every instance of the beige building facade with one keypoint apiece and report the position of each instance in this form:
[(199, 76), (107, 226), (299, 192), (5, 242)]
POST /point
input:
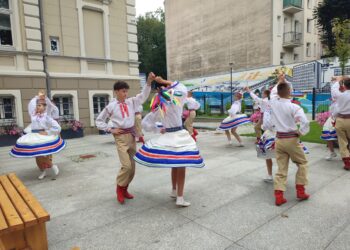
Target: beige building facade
[(82, 48), (206, 37)]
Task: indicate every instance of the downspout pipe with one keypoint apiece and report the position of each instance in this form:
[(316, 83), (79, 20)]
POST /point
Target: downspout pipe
[(43, 44)]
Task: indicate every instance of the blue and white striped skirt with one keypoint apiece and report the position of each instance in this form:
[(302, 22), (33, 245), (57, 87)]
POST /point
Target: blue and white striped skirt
[(328, 132), (170, 150), (34, 144), (234, 122)]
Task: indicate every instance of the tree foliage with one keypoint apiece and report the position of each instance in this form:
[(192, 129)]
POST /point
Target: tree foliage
[(325, 13), (151, 42), (341, 32)]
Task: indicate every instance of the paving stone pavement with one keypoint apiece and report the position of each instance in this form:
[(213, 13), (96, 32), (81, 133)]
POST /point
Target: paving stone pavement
[(232, 208)]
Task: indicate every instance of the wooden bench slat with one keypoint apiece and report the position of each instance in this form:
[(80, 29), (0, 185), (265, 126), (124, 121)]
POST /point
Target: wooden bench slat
[(22, 208), (13, 219), (3, 224), (40, 213)]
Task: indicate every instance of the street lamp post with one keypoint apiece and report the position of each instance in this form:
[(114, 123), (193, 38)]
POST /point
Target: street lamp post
[(231, 65)]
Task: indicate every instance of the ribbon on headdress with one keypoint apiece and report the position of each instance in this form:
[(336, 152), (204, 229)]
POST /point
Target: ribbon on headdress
[(164, 98)]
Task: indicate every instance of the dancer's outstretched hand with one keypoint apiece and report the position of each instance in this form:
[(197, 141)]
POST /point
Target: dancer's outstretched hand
[(159, 79), (151, 77)]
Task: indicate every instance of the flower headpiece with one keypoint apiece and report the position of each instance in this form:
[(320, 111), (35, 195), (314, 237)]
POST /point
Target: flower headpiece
[(164, 98)]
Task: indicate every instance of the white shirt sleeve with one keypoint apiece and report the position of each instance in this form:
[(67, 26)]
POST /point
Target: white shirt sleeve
[(301, 118), (149, 122), (192, 103), (235, 108), (101, 120), (180, 91), (274, 94), (256, 98), (54, 127), (335, 109), (335, 92), (267, 121), (139, 99), (32, 106), (55, 114), (197, 105)]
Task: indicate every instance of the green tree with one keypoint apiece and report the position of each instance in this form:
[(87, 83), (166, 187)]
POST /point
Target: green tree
[(341, 32), (151, 42), (325, 13)]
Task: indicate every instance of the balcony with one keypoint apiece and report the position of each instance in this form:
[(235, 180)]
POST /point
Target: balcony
[(292, 39), (292, 6)]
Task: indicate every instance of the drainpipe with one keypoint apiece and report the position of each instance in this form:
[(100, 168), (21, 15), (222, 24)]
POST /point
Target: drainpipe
[(44, 54)]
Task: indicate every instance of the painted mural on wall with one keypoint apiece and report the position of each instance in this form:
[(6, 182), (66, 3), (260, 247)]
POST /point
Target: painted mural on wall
[(221, 83)]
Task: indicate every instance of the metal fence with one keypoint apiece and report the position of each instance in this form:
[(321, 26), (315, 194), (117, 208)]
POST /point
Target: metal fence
[(214, 103), (321, 101)]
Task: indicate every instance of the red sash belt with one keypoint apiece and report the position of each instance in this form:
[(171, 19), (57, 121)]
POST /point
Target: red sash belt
[(347, 116), (286, 135)]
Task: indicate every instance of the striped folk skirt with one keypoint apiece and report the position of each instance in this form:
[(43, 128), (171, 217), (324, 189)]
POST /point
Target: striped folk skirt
[(234, 122), (34, 144), (170, 150)]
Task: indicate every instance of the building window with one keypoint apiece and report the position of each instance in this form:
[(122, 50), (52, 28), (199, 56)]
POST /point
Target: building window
[(94, 33), (282, 58), (285, 20), (5, 24), (337, 71), (279, 25), (309, 25), (297, 26), (7, 110), (296, 57), (65, 107), (54, 44), (308, 49), (99, 102)]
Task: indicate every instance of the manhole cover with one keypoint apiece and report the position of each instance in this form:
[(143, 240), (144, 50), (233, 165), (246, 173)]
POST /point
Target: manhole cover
[(88, 157)]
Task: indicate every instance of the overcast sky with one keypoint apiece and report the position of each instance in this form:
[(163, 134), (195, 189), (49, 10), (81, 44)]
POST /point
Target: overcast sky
[(143, 6)]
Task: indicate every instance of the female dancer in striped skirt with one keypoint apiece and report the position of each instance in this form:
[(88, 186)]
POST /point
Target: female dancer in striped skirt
[(174, 148), (42, 141), (234, 120)]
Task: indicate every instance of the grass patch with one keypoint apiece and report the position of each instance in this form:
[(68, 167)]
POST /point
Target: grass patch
[(313, 136)]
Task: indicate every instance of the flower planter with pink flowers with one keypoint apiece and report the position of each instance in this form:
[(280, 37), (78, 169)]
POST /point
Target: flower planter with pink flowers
[(71, 129), (9, 135), (71, 134)]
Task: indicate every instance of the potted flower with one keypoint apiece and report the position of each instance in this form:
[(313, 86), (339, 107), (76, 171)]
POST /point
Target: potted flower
[(9, 135), (71, 129)]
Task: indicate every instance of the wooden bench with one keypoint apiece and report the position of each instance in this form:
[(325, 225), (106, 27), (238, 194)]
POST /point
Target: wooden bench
[(22, 218)]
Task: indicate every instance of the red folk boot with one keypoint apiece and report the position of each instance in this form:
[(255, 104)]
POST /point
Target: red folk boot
[(120, 194), (346, 163), (194, 137), (279, 198), (126, 194), (141, 139), (301, 195)]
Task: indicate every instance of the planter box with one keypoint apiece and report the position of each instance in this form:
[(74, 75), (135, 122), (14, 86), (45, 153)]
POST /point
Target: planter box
[(8, 140), (70, 134)]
